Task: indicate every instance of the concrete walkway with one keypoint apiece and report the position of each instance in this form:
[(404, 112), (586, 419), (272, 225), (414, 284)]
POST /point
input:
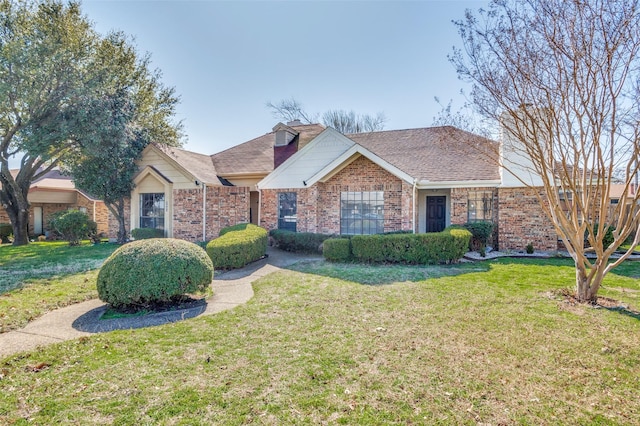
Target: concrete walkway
[(231, 288)]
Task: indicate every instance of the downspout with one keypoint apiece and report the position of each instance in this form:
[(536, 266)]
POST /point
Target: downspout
[(259, 205), (413, 216), (94, 210), (204, 212)]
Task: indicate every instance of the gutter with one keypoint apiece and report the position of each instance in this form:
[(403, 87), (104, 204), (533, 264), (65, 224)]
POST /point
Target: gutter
[(413, 216)]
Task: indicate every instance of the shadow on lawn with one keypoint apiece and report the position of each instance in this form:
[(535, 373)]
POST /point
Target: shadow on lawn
[(624, 311), (386, 274)]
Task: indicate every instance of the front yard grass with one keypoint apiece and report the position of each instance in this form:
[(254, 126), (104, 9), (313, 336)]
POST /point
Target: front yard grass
[(40, 277), (489, 343)]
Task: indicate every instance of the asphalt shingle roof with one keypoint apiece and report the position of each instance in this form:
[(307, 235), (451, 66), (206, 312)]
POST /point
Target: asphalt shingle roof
[(436, 154), (256, 155)]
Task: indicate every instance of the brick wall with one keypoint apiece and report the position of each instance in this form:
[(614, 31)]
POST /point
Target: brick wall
[(522, 221), (318, 207), (102, 213), (225, 206)]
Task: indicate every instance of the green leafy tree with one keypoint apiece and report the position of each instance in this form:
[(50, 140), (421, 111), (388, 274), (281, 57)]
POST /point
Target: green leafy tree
[(73, 226), (45, 49), (562, 80), (128, 109)]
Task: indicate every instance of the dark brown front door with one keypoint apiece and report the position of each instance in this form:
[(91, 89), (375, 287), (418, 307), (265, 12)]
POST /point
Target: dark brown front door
[(436, 211)]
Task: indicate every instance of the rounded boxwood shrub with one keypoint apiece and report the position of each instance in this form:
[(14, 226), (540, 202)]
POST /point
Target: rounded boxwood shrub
[(73, 226), (146, 272)]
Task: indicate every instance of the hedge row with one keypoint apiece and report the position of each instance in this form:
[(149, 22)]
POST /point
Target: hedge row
[(298, 242), (432, 248), (238, 246), (146, 233)]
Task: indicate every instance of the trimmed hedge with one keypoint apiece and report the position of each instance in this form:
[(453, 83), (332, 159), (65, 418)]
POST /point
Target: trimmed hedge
[(337, 249), (146, 233), (238, 246), (145, 272), (437, 247), (298, 242)]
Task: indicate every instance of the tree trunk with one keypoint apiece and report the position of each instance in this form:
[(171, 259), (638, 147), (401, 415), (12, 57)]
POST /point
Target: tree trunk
[(117, 210), (20, 223), (587, 286)]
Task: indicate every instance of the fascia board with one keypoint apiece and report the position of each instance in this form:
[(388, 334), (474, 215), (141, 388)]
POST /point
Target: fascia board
[(426, 184)]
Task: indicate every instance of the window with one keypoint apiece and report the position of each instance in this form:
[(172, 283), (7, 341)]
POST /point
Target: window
[(152, 211), (480, 207), (83, 210), (287, 211), (362, 213)]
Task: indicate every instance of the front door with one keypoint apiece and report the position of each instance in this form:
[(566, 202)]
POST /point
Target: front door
[(37, 220), (436, 213)]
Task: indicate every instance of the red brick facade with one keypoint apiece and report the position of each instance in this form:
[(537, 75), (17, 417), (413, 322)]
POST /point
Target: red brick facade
[(318, 207), (522, 221)]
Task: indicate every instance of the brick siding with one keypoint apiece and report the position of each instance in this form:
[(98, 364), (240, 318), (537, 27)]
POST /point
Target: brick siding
[(522, 221)]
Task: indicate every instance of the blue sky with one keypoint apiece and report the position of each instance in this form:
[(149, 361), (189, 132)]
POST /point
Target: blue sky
[(226, 59)]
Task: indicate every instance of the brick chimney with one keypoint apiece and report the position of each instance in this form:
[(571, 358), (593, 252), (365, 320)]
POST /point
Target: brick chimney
[(286, 143)]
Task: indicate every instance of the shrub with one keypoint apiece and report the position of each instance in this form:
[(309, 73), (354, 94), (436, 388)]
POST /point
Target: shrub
[(73, 225), (6, 230), (146, 233), (530, 248), (480, 235), (437, 247), (237, 246), (157, 270), (337, 249), (608, 236), (298, 242)]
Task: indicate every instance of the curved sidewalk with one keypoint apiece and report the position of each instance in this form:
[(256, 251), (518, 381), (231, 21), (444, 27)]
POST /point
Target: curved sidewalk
[(231, 288)]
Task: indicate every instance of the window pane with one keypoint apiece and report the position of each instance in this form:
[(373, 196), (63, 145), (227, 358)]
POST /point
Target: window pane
[(152, 210), (362, 212), (287, 211)]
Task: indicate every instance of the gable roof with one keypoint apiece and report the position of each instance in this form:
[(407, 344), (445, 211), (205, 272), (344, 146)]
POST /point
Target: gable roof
[(197, 165), (255, 157), (434, 154)]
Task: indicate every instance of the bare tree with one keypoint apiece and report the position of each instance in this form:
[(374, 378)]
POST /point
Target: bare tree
[(349, 122), (463, 118), (291, 110), (562, 79), (343, 121)]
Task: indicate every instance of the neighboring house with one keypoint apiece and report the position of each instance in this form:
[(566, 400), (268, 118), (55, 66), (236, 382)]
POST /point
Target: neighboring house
[(55, 192), (312, 179)]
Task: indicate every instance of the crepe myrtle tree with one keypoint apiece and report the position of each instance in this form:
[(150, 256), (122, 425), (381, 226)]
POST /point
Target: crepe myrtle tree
[(44, 50), (562, 80)]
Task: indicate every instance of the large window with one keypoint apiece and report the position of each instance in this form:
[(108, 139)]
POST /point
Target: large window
[(152, 210), (480, 206), (287, 210), (362, 213)]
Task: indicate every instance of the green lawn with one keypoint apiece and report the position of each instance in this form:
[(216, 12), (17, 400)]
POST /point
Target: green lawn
[(39, 277), (490, 343)]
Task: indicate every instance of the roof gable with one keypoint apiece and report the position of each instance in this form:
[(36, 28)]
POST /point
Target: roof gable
[(194, 166), (308, 161)]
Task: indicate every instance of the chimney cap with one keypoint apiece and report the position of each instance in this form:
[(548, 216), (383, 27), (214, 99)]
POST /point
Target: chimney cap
[(295, 122)]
